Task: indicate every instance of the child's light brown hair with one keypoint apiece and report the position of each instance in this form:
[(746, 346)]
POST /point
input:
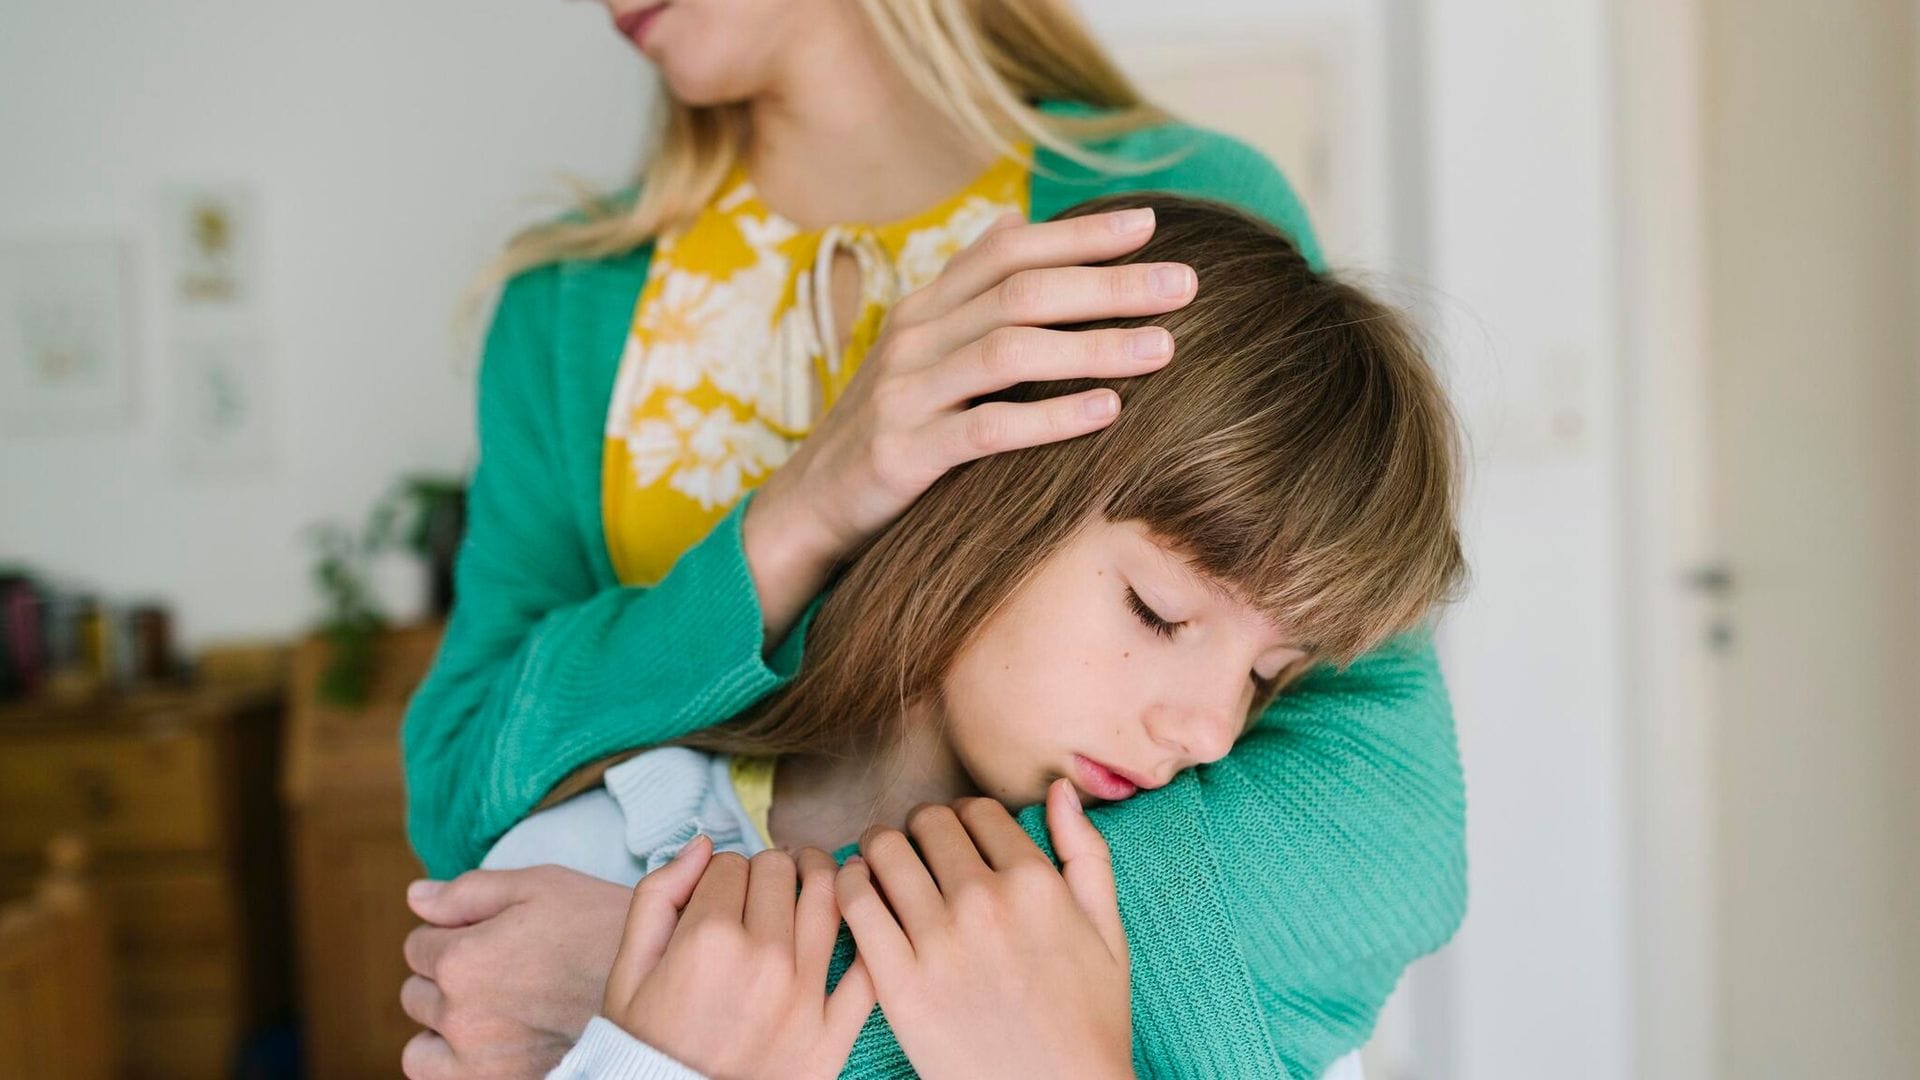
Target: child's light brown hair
[(1298, 449)]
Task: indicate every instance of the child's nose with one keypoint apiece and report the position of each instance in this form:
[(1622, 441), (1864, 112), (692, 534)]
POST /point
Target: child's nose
[(1200, 733)]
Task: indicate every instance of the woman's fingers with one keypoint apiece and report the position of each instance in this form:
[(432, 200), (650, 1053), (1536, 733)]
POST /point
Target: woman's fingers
[(998, 426), (474, 896), (1086, 863), (654, 913), (875, 932), (422, 1001), (1018, 354), (1058, 295), (428, 1057), (423, 948), (1001, 251)]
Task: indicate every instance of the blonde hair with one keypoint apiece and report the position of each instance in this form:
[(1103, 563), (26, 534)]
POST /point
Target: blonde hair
[(986, 64), (1298, 449)]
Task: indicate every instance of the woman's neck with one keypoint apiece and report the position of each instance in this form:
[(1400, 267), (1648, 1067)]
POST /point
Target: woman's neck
[(828, 803), (842, 135)]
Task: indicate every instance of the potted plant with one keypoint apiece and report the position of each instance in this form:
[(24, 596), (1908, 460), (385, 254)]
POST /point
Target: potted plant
[(424, 515)]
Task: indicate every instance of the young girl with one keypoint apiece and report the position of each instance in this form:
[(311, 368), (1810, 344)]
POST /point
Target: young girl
[(1110, 611)]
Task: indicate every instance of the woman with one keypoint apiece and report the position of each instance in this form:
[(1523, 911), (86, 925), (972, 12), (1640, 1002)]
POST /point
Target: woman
[(620, 588)]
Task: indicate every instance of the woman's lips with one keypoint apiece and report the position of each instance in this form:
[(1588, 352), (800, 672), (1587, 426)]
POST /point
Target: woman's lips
[(1101, 782), (634, 24)]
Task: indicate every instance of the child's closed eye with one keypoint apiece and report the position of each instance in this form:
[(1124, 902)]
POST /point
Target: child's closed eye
[(1262, 687), (1159, 625)]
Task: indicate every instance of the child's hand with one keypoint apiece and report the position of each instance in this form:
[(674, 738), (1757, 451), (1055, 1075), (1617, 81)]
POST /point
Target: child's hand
[(736, 985), (998, 966)]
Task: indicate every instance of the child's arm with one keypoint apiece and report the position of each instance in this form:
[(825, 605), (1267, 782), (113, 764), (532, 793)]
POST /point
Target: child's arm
[(609, 1052)]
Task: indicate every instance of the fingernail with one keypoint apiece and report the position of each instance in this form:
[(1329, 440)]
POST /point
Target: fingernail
[(1130, 221), (688, 846), (1149, 344), (1171, 281), (425, 889), (1073, 798), (1100, 406), (854, 860)]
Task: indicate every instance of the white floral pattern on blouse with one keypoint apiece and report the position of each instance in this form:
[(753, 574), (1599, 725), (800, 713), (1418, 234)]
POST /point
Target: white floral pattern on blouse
[(729, 359)]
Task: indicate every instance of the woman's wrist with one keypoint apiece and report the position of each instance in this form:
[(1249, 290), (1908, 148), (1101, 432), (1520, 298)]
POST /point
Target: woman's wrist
[(790, 563)]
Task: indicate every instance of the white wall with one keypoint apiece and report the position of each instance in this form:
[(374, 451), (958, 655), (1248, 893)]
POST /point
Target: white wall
[(391, 147), (1522, 226)]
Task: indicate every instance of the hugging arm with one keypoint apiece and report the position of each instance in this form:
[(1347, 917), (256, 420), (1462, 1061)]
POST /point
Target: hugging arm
[(1329, 848), (1286, 885), (541, 640)]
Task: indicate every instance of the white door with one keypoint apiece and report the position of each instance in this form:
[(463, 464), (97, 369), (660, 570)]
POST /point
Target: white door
[(1769, 176)]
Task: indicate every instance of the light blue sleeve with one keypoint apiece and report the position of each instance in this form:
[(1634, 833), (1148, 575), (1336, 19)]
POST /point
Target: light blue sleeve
[(607, 1052), (581, 834)]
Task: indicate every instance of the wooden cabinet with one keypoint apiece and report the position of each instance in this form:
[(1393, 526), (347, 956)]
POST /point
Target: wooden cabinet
[(347, 805), (58, 1016), (173, 793)]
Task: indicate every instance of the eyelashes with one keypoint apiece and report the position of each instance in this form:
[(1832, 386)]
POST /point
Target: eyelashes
[(1165, 629), (1154, 622)]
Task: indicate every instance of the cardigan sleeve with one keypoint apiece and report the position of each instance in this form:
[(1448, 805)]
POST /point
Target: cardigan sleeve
[(1289, 884), (543, 669)]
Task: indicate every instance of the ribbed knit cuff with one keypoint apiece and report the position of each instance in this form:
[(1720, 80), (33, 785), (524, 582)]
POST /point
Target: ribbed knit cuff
[(717, 568), (607, 1052), (641, 666)]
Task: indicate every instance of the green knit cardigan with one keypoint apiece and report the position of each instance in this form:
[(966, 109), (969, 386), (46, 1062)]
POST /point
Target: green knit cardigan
[(1271, 899)]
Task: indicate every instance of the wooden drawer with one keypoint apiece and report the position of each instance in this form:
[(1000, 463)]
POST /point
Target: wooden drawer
[(208, 978), (177, 1042), (189, 907), (125, 793)]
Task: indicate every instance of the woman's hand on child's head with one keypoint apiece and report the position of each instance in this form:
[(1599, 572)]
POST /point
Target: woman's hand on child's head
[(985, 935), (725, 970), (977, 328)]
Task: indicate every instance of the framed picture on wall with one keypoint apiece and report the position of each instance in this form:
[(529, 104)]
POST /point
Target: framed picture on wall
[(65, 354)]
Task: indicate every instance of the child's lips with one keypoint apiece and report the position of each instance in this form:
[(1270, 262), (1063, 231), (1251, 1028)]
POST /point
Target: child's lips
[(1101, 781)]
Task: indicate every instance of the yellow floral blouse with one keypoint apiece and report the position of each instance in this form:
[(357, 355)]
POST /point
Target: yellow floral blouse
[(752, 779), (728, 362)]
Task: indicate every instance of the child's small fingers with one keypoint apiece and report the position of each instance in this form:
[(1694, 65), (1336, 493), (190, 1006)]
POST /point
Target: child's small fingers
[(653, 914), (875, 931), (816, 916), (850, 1003), (1087, 864)]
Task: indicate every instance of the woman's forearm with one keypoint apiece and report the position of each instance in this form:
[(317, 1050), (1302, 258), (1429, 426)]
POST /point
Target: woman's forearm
[(789, 566)]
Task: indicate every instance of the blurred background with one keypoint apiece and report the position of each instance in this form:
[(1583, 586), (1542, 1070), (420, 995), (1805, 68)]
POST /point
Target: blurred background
[(1668, 248)]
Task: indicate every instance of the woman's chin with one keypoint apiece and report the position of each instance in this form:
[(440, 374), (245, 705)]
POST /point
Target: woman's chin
[(701, 89)]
